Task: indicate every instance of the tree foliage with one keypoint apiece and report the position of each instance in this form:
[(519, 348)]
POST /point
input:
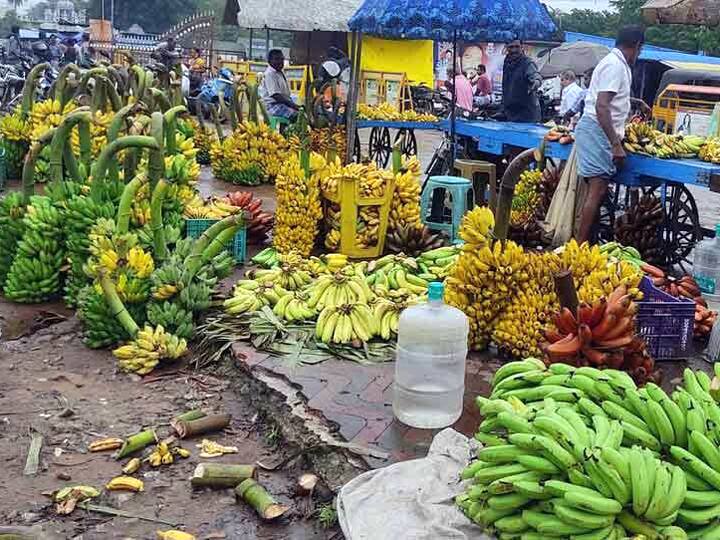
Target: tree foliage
[(155, 16), (605, 23)]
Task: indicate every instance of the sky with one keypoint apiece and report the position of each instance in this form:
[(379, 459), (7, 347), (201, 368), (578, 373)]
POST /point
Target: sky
[(567, 5)]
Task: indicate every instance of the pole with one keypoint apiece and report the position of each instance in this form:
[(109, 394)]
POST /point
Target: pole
[(454, 104), (250, 52), (267, 41), (112, 13), (351, 107), (102, 9)]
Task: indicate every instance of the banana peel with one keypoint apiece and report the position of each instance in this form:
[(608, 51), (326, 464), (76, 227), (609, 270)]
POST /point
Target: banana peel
[(103, 445), (174, 535), (132, 466), (211, 449), (68, 497), (125, 483)]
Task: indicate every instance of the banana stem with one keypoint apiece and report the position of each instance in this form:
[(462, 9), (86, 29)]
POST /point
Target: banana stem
[(156, 165), (125, 205), (221, 475), (61, 136), (233, 108), (161, 99), (71, 163), (396, 158), (131, 162), (28, 174), (137, 442), (29, 87), (171, 128), (116, 125), (99, 171), (198, 255), (262, 502), (98, 97), (252, 103), (137, 82), (85, 144), (112, 95), (216, 121), (156, 221), (61, 94), (117, 307)]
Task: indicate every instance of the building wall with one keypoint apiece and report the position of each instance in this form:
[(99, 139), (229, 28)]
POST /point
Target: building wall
[(414, 58)]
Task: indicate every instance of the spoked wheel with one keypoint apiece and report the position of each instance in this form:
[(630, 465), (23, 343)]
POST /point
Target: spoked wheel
[(408, 142), (379, 147), (605, 226), (357, 151), (682, 225)]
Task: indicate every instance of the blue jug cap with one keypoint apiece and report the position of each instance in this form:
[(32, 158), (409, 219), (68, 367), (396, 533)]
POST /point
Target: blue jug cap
[(436, 291), (717, 230)]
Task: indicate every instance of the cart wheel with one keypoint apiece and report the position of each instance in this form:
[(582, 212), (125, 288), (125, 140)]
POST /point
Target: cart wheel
[(605, 227), (379, 148), (357, 151), (408, 142), (682, 225)]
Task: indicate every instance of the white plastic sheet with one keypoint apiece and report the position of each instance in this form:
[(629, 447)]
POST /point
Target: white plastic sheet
[(412, 500)]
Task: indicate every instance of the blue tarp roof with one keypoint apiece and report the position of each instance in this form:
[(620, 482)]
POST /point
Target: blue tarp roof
[(649, 52), (474, 20)]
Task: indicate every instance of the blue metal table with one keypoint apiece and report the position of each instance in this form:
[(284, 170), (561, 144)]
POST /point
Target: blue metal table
[(672, 176), (379, 145)]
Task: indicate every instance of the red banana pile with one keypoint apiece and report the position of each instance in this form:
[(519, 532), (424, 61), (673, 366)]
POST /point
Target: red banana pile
[(685, 287), (601, 335), (259, 223)]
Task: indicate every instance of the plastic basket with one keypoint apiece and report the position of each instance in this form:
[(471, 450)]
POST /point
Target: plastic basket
[(351, 202), (195, 228), (666, 323)]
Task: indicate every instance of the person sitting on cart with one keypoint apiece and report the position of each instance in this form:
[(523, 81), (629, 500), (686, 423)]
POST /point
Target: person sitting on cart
[(521, 81), (483, 87), (275, 90), (600, 132), (463, 89)]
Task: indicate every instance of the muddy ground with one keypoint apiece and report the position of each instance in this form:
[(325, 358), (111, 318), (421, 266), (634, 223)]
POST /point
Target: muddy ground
[(53, 385)]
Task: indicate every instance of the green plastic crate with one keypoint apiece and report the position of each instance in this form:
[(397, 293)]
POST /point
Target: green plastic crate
[(195, 228)]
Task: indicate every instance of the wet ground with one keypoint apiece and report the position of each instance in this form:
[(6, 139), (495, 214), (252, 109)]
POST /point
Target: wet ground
[(53, 385)]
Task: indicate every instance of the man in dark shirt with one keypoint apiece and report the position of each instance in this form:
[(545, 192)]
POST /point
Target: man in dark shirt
[(521, 81)]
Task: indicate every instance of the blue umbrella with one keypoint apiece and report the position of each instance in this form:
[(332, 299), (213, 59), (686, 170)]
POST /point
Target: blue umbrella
[(446, 20)]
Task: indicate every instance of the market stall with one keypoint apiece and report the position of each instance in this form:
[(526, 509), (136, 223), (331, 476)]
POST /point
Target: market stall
[(381, 141), (681, 229)]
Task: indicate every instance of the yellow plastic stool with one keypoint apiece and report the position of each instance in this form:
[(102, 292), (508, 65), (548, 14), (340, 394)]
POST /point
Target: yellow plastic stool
[(470, 169), (351, 203)]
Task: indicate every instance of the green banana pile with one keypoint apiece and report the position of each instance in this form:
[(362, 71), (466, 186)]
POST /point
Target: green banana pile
[(619, 252), (584, 454), (34, 275), (177, 298)]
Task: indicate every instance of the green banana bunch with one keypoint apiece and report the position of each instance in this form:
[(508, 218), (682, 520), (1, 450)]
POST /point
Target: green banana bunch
[(101, 326), (34, 275), (582, 453), (12, 211)]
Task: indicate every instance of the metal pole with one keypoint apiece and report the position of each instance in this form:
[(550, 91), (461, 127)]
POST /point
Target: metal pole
[(112, 13), (102, 9), (454, 103), (353, 91), (267, 41), (250, 55)]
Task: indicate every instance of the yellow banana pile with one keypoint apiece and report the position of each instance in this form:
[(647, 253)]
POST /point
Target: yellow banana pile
[(405, 208), (526, 198), (298, 206), (644, 139), (149, 347), (213, 209), (386, 111), (345, 323), (46, 115), (250, 145), (711, 150)]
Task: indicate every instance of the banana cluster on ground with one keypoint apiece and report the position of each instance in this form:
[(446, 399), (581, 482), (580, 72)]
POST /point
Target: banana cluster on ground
[(602, 334), (585, 454), (252, 154), (298, 205), (150, 346)]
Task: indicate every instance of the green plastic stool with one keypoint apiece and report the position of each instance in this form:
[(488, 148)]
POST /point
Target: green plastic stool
[(462, 196), (276, 122)]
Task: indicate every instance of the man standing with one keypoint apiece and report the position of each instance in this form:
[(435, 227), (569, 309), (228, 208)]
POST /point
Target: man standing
[(520, 84), (600, 132), (275, 90), (571, 95)]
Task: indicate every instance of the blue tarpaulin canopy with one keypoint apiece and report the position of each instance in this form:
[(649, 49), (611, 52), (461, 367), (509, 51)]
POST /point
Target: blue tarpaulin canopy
[(473, 20)]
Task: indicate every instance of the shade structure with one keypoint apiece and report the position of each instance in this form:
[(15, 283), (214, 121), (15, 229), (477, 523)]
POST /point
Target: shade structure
[(292, 15), (695, 12), (577, 57), (443, 20)]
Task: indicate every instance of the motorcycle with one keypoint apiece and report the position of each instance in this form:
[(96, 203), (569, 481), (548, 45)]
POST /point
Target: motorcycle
[(12, 80), (208, 95)]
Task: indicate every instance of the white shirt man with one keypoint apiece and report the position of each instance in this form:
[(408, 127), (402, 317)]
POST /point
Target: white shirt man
[(613, 74), (572, 94)]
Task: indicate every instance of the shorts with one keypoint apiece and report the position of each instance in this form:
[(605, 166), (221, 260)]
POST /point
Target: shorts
[(594, 151)]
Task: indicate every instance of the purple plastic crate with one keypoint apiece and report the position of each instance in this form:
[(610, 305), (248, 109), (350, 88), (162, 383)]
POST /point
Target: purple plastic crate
[(665, 322)]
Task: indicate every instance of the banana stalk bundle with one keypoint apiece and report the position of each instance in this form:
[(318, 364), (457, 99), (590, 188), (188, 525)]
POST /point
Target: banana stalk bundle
[(298, 205), (259, 223), (526, 199), (252, 154), (601, 335), (34, 275), (14, 142), (685, 287), (639, 225), (582, 453), (388, 112), (405, 205)]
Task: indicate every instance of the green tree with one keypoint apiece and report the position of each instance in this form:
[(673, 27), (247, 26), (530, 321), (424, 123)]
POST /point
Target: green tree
[(7, 21), (155, 16)]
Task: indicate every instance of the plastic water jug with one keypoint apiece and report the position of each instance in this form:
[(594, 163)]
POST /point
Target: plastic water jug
[(430, 365), (706, 268)]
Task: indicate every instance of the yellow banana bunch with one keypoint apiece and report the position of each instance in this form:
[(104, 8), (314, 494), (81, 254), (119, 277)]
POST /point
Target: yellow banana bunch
[(109, 260), (526, 198), (333, 290), (140, 262), (405, 208), (476, 227), (243, 301), (710, 151), (298, 209), (149, 347), (125, 483), (345, 323), (45, 115), (161, 456), (13, 127), (293, 307), (165, 292)]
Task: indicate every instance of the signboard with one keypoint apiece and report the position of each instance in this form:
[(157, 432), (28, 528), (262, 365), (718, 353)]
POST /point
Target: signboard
[(692, 123)]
